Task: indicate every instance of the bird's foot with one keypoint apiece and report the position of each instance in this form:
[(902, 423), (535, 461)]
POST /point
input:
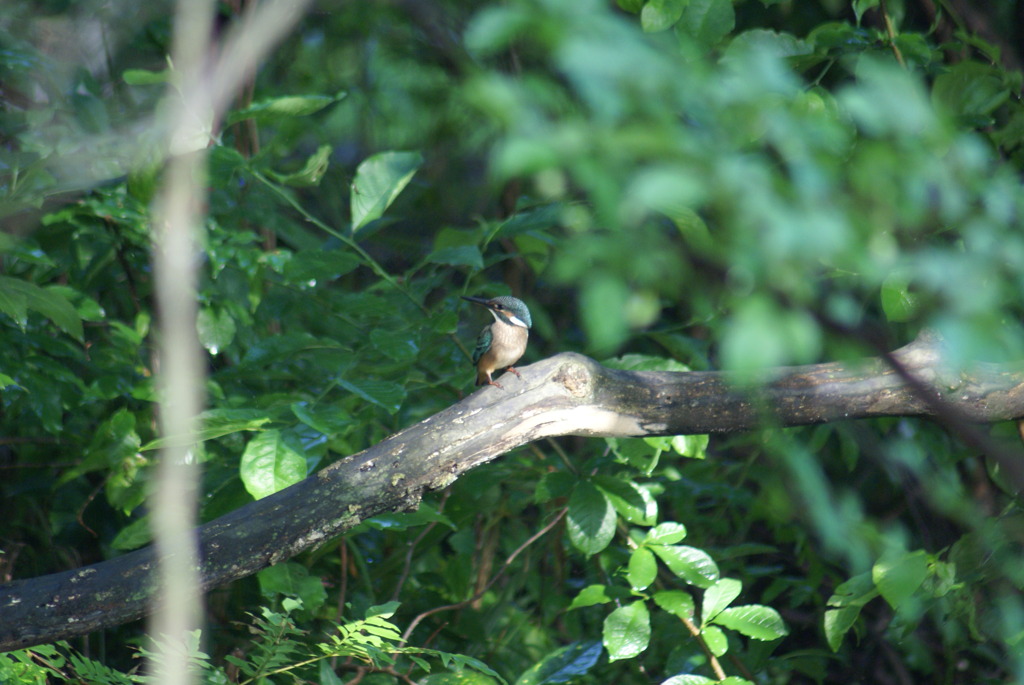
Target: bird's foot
[(495, 384), (512, 370)]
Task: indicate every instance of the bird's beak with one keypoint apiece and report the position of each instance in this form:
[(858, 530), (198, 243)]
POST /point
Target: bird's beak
[(483, 301)]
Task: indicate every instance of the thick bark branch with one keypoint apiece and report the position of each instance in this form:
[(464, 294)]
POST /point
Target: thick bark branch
[(568, 394)]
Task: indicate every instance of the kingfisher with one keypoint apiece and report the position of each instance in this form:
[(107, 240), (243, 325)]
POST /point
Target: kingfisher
[(502, 343)]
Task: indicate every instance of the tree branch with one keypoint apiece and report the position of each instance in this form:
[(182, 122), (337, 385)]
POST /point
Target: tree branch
[(568, 394)]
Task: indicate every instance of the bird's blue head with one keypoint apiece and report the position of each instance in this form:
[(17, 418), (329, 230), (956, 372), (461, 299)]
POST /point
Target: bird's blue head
[(507, 309)]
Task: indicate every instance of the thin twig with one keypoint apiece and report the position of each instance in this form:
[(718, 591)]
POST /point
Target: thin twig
[(458, 605), (412, 548), (890, 31)]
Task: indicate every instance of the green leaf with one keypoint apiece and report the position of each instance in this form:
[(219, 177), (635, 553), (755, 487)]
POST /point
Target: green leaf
[(762, 335), (632, 502), (143, 77), (838, 622), (689, 563), (676, 602), (293, 580), (753, 620), (689, 679), (591, 595), (285, 107), (460, 255), (898, 575), (564, 664), (458, 678), (857, 591), (692, 446), (136, 534), (404, 520), (312, 171), (718, 597), (398, 345), (970, 90), (552, 485), (715, 639), (591, 519), (313, 267), (271, 463), (667, 533), (708, 21), (216, 329), (862, 6), (384, 394), (114, 441), (627, 631), (602, 305), (326, 418), (658, 15), (379, 179), (643, 568), (16, 295), (898, 303), (216, 423)]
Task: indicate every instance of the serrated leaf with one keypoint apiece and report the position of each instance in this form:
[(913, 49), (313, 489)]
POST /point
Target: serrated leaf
[(689, 563), (384, 394), (753, 620), (676, 602), (627, 631), (632, 502), (553, 485), (562, 665), (643, 568), (379, 179), (667, 533), (13, 304), (271, 463), (328, 419), (898, 575), (591, 519), (16, 295), (398, 345), (718, 597), (971, 90)]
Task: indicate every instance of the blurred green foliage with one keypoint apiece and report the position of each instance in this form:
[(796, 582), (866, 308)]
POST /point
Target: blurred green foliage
[(668, 184)]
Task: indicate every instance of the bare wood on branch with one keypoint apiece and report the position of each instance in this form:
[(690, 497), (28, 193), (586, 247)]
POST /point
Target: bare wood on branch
[(567, 394)]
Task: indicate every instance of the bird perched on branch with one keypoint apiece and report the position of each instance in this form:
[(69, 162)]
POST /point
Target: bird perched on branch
[(502, 343)]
